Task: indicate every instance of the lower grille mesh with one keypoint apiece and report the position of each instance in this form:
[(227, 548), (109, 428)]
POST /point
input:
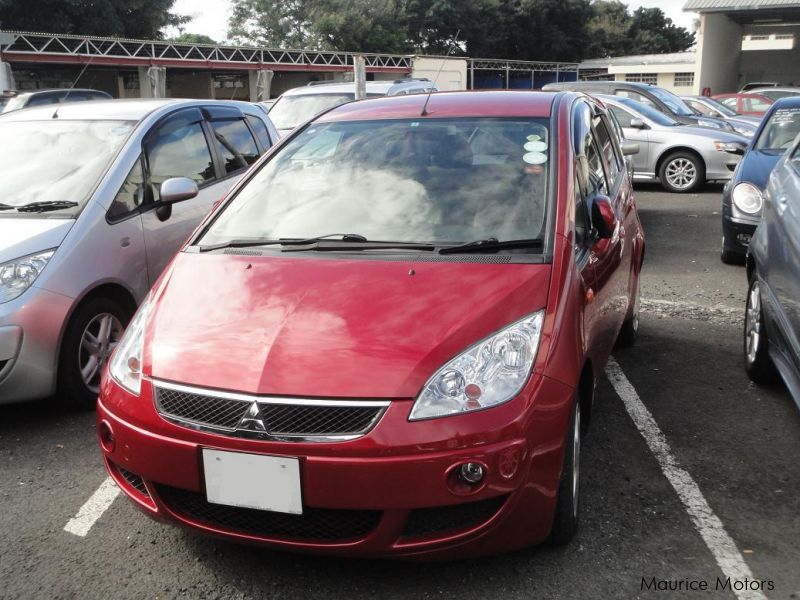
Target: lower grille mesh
[(426, 521), (134, 480), (314, 524)]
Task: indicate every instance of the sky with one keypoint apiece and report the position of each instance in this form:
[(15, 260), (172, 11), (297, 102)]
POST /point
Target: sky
[(211, 16)]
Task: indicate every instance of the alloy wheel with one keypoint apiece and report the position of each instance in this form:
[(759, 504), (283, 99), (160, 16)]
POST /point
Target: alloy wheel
[(576, 458), (681, 173), (100, 337), (753, 322)]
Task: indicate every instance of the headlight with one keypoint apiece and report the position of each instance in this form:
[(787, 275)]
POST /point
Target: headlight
[(747, 198), (487, 374), (732, 147), (18, 275), (746, 130), (126, 362)]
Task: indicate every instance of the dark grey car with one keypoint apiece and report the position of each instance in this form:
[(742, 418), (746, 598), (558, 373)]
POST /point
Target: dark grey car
[(772, 324)]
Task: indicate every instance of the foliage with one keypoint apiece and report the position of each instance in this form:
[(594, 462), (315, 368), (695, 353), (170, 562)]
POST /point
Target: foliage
[(121, 18), (193, 38)]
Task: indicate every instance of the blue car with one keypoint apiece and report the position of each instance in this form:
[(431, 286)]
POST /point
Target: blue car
[(742, 197), (772, 323)]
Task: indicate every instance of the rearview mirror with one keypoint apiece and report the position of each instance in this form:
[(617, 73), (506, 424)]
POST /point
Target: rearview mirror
[(638, 124), (604, 219), (629, 148), (178, 189)]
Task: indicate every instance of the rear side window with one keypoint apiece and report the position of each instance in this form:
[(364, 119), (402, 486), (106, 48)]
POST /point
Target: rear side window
[(608, 150), (181, 152), (261, 131), (755, 105), (42, 100), (235, 144)]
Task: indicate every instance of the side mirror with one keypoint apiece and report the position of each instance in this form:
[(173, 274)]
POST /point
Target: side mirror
[(638, 124), (178, 189), (629, 148), (604, 219)]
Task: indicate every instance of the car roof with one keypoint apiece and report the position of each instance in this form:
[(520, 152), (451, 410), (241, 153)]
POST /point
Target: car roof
[(373, 87), (566, 85), (446, 104), (29, 93), (787, 102), (775, 89), (123, 110)]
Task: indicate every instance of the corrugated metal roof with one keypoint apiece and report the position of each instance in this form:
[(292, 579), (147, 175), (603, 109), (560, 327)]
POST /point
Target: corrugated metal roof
[(640, 59), (722, 5)]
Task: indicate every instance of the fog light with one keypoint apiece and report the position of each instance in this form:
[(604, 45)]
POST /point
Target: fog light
[(106, 437), (471, 472), (744, 238)]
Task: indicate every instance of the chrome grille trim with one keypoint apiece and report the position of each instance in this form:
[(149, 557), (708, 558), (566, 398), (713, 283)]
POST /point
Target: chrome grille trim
[(222, 413)]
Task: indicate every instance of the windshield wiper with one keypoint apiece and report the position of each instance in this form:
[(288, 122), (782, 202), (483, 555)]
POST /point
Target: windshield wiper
[(490, 245), (45, 206), (251, 243), (334, 245)]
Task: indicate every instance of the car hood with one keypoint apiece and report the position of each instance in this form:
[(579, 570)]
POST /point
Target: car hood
[(707, 132), (746, 119), (23, 236), (756, 167), (327, 327)]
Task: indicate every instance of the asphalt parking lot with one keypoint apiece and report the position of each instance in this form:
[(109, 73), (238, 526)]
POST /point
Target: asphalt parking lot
[(690, 473)]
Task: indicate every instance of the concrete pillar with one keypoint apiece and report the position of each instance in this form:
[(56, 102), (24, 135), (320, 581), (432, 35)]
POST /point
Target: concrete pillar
[(360, 73), (6, 78), (719, 45), (153, 82), (260, 84), (450, 73)]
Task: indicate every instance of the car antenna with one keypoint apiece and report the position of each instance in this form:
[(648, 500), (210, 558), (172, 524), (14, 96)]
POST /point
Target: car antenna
[(424, 111), (72, 87)]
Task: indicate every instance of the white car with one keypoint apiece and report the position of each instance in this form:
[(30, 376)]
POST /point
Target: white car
[(298, 105)]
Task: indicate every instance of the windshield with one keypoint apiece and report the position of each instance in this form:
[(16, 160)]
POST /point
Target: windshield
[(673, 102), (421, 180), (720, 107), (778, 94), (780, 131), (290, 111), (55, 161), (649, 112)]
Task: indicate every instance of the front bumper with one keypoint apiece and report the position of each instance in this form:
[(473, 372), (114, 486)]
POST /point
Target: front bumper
[(736, 233), (390, 493), (30, 335)]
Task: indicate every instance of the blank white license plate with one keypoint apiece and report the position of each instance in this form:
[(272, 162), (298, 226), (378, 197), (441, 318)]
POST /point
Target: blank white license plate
[(253, 481)]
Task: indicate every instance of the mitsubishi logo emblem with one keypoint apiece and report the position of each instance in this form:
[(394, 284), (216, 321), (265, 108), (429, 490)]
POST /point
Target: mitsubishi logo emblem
[(252, 420)]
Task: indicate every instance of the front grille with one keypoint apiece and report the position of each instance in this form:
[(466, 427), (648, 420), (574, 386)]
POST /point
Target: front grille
[(134, 480), (330, 525), (280, 418), (426, 521)]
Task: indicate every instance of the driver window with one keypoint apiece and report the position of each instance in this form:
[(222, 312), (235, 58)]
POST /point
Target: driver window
[(130, 195), (179, 152)]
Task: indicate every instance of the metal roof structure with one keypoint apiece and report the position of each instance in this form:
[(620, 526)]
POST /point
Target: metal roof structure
[(640, 59), (731, 5), (103, 51)]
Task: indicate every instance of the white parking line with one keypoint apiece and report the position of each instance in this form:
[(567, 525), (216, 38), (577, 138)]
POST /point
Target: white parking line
[(705, 521), (93, 509)]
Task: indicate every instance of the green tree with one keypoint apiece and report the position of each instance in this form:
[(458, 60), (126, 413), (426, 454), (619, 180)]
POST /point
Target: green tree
[(652, 32), (608, 29), (122, 18), (361, 25), (273, 23), (193, 38)]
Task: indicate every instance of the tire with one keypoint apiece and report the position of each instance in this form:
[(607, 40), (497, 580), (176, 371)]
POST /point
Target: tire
[(566, 517), (729, 257), (92, 333), (682, 172), (630, 328), (757, 362)]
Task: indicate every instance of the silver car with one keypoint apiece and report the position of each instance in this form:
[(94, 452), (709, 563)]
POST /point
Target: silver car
[(89, 217), (772, 322), (680, 157), (745, 125)]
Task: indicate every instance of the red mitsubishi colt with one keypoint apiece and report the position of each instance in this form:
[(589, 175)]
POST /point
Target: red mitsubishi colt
[(385, 340)]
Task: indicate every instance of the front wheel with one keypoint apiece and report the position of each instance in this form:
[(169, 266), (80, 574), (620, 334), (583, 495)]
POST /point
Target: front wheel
[(91, 335), (565, 520), (682, 172), (630, 328), (758, 364)]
